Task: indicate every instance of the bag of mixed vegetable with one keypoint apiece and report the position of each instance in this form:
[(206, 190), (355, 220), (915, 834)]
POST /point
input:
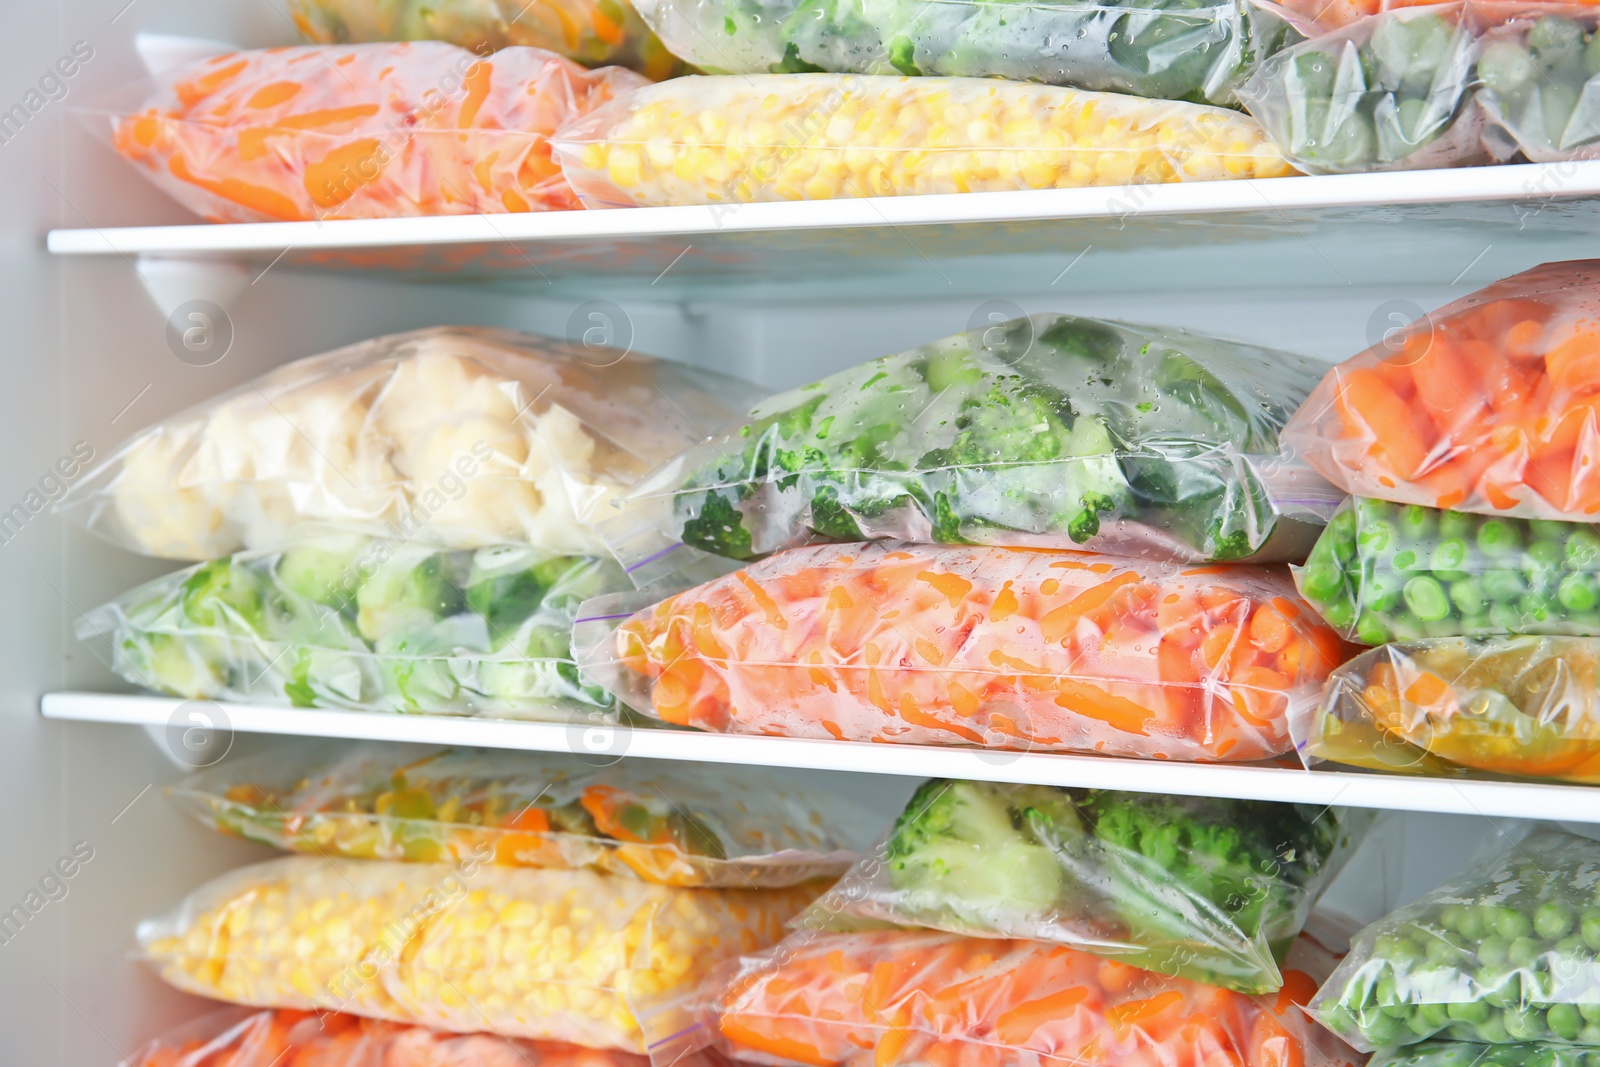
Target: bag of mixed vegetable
[(1051, 431), (1211, 890)]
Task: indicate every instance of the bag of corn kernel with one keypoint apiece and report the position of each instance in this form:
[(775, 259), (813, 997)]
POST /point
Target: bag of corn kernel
[(730, 140), (557, 955)]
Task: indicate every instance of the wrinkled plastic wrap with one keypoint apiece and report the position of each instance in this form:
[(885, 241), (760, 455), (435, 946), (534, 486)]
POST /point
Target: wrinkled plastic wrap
[(358, 131), (454, 437), (1383, 572), (1504, 952), (924, 999), (1522, 706), (1051, 431), (1472, 1054), (593, 32), (1164, 49), (1540, 84), (1488, 404), (738, 829), (366, 626), (522, 952), (1214, 891), (238, 1037), (733, 140), (1002, 648)]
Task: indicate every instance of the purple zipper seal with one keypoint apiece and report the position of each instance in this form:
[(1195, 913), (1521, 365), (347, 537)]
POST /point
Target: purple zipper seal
[(652, 558)]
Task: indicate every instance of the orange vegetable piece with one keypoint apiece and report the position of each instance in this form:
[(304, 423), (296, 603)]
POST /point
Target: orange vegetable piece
[(1400, 440)]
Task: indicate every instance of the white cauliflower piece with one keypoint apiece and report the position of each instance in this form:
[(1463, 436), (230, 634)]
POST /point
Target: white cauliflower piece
[(165, 506)]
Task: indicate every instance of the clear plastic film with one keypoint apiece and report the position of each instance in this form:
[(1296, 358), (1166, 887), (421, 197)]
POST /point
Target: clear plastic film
[(366, 626), (560, 955), (1503, 953), (1051, 431), (453, 437), (1214, 891), (736, 829), (1383, 572), (1487, 404), (1473, 1054), (1539, 76), (1153, 48), (357, 131), (1001, 648), (734, 139)]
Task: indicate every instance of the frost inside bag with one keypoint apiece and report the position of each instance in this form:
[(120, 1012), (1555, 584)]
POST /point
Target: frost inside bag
[(1153, 48), (1504, 952), (520, 951), (1049, 431), (1523, 706), (357, 131), (738, 828), (1391, 92), (1383, 572), (1487, 404), (736, 139), (454, 437), (1002, 648), (1540, 76), (1473, 1054), (1214, 891), (364, 625)]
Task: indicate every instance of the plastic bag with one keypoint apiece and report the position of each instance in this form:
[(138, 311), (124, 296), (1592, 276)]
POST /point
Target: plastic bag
[(1391, 92), (1540, 92), (1505, 952), (1485, 405), (731, 140), (451, 437), (520, 951), (655, 821), (1383, 572), (1003, 648), (1523, 706), (1165, 49), (1051, 431), (1473, 1054), (1210, 890), (358, 131), (593, 32), (923, 999), (367, 626), (238, 1037)]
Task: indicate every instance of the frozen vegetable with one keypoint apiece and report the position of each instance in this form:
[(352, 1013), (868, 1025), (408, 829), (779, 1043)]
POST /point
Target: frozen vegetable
[(1049, 431), (453, 437), (732, 140), (1210, 890), (1524, 706), (1488, 404), (1196, 50), (655, 821), (1536, 72), (360, 131), (364, 625), (593, 32), (519, 951), (1382, 572), (1474, 1054), (1003, 648), (1505, 952)]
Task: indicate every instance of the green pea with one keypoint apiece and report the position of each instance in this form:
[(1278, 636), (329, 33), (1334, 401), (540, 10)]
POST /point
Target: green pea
[(1494, 952), (1456, 524), (1534, 607), (1436, 1016), (1467, 595), (1524, 950), (1590, 1035), (1341, 533), (1583, 548), (1465, 920), (1545, 554), (1478, 623), (1511, 924), (1382, 1030), (1523, 1024), (1564, 1021), (1406, 559), (1381, 593), (1375, 537), (1492, 1031), (1341, 614), (1578, 592), (1506, 586), (1442, 949), (1499, 538), (1418, 523), (1505, 619), (1590, 1010), (1470, 1011), (1427, 599), (1553, 920), (1321, 582), (1371, 629)]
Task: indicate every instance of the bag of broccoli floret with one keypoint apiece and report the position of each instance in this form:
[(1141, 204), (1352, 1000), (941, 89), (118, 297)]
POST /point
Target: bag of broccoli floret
[(1045, 432), (1206, 889)]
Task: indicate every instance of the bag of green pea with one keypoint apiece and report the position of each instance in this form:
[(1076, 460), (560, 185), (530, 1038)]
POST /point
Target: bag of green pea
[(1472, 1054), (1505, 953)]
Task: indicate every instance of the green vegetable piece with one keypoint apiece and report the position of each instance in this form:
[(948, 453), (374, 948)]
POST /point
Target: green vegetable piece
[(1506, 68), (1427, 599), (1468, 596), (1410, 49), (1499, 538), (1582, 550), (226, 595), (1447, 558), (407, 596), (324, 573), (1564, 1021), (1504, 586), (1579, 592), (1372, 630)]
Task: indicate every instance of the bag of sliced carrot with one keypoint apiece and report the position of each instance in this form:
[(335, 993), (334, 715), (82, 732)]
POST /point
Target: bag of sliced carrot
[(1003, 648)]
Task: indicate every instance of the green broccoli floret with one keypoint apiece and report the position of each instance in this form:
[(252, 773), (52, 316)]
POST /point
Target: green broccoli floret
[(322, 572), (408, 595), (226, 595), (718, 528)]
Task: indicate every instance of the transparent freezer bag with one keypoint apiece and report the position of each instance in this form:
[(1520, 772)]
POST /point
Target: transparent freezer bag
[(1051, 431), (1451, 706), (737, 828), (1540, 84), (452, 437), (1210, 890), (367, 626), (1484, 405), (1383, 572), (1473, 1054), (1153, 48), (518, 951), (356, 131), (1001, 648), (732, 140), (1503, 953)]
